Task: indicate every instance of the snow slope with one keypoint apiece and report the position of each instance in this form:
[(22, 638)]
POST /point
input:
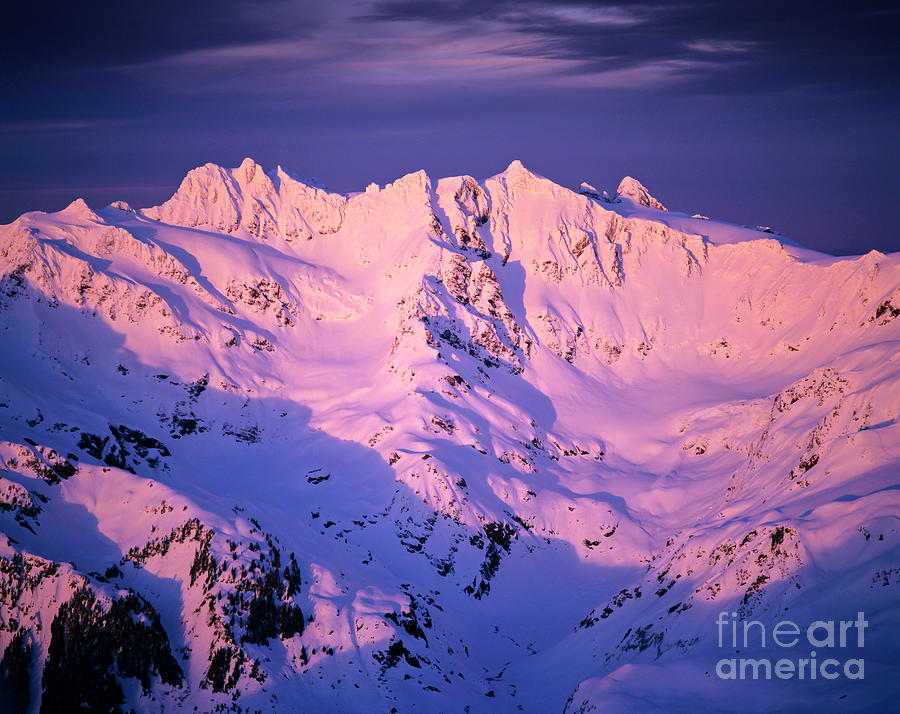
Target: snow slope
[(439, 446)]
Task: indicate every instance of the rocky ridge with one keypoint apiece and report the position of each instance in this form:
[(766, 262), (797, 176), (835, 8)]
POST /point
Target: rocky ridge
[(310, 449)]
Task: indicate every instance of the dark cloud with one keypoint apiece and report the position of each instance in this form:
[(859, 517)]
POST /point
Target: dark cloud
[(712, 46), (38, 36), (768, 43)]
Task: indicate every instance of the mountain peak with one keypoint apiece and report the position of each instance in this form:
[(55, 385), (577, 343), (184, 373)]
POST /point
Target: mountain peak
[(415, 180), (248, 170), (247, 198), (79, 208), (517, 169), (519, 177), (636, 191), (121, 206)]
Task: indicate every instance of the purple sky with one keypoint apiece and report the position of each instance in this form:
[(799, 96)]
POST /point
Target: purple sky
[(775, 113)]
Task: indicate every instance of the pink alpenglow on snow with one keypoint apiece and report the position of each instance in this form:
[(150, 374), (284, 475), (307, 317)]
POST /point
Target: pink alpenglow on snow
[(442, 445)]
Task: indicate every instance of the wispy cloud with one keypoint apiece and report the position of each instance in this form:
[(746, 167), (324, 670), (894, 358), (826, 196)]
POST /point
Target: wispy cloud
[(286, 47), (34, 127), (578, 15), (721, 46), (504, 49)]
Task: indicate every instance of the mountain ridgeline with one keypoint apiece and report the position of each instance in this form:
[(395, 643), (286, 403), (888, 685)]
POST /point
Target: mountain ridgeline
[(449, 445)]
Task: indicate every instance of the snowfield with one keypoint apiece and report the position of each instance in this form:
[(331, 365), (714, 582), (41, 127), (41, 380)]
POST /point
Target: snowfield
[(448, 445)]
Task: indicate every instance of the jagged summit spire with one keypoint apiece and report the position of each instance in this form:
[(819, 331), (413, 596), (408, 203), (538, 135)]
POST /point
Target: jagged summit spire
[(248, 170), (268, 206), (632, 188)]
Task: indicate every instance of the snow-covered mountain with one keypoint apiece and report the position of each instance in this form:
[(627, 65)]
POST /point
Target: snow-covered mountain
[(447, 445)]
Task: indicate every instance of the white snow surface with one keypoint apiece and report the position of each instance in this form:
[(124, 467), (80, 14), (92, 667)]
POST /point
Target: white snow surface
[(503, 446)]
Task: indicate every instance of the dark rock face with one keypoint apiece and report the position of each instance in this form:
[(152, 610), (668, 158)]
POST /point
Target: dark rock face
[(15, 673), (90, 646), (126, 448)]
